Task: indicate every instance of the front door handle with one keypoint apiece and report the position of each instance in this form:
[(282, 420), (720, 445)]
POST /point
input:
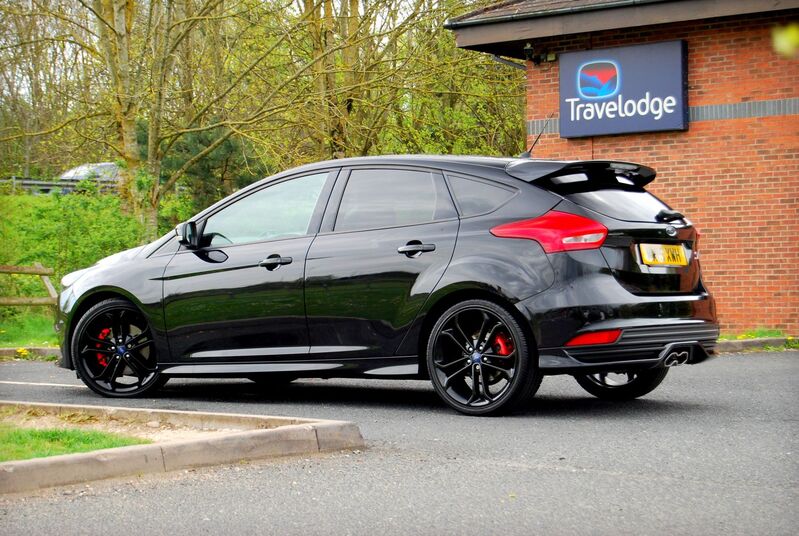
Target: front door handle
[(274, 260), (414, 248)]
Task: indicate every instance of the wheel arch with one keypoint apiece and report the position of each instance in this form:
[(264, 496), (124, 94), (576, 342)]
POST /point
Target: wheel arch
[(445, 300), (86, 302)]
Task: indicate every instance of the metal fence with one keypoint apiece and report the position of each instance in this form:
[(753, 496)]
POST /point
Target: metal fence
[(28, 184)]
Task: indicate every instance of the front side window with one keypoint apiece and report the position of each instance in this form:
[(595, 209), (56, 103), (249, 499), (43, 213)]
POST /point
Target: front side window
[(378, 198), (280, 211)]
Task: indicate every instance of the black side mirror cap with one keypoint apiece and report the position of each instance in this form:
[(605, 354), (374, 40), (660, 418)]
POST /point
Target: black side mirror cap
[(187, 234)]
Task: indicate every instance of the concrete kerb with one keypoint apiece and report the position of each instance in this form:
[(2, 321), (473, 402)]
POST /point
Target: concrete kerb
[(749, 344), (251, 437), (41, 351)]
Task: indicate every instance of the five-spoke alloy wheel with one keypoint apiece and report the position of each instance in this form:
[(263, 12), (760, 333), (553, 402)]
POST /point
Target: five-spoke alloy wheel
[(479, 359), (113, 351), (622, 385)]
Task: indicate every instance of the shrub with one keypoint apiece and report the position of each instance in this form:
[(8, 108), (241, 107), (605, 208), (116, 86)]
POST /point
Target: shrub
[(64, 232)]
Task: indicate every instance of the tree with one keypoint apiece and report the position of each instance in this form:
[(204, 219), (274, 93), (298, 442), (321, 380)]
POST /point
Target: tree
[(175, 89)]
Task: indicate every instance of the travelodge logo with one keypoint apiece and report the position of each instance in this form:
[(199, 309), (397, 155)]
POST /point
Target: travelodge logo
[(598, 82), (639, 88), (598, 79)]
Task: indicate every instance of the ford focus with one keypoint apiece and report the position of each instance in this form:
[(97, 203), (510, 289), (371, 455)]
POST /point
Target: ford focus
[(482, 275)]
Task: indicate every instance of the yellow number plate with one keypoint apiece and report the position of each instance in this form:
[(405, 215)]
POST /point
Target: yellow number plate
[(663, 255)]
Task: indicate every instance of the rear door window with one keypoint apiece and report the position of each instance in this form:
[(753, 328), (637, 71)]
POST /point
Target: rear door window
[(379, 198)]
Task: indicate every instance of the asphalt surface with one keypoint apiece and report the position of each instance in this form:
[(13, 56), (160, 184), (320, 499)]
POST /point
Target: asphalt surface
[(712, 451)]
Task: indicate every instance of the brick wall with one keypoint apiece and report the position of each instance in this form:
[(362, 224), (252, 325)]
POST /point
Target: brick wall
[(736, 179)]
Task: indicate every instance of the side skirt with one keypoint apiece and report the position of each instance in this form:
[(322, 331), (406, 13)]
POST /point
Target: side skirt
[(402, 367)]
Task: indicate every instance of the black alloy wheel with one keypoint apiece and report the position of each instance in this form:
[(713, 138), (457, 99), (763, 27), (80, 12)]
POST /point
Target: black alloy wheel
[(618, 386), (113, 351), (479, 359)]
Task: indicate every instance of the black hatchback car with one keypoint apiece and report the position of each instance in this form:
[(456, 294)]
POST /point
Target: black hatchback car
[(481, 274)]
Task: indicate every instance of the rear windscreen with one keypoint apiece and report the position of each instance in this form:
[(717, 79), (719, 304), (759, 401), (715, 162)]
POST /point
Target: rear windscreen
[(607, 194)]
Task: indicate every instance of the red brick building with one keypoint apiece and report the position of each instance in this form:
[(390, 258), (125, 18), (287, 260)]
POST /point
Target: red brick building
[(734, 170)]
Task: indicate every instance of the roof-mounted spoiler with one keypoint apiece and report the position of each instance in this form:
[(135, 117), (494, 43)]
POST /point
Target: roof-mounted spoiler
[(532, 170)]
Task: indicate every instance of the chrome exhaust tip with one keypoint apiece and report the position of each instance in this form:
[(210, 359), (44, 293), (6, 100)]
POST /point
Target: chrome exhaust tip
[(675, 359)]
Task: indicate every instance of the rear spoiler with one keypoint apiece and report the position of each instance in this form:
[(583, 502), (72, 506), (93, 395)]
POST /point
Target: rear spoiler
[(530, 170)]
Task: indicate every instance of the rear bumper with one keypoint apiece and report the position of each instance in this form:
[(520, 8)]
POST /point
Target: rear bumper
[(640, 346), (586, 297)]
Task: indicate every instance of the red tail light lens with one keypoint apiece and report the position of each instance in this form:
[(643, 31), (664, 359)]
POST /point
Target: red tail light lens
[(556, 231), (608, 336)]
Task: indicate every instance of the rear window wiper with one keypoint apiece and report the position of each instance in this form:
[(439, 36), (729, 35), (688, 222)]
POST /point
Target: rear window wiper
[(667, 215)]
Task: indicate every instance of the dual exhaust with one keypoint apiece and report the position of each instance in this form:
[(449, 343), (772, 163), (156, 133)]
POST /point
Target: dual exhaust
[(682, 353), (675, 359)]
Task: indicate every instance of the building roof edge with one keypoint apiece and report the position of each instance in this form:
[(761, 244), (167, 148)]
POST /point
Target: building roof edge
[(463, 21)]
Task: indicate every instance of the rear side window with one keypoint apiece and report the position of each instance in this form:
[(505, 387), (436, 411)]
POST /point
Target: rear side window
[(608, 194), (477, 197), (377, 198)]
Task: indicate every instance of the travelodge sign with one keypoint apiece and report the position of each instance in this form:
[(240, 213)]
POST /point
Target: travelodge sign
[(639, 88)]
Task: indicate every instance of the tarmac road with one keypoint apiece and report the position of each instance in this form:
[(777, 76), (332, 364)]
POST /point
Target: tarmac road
[(712, 451)]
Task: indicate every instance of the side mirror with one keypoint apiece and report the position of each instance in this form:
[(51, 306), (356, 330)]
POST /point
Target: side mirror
[(187, 234)]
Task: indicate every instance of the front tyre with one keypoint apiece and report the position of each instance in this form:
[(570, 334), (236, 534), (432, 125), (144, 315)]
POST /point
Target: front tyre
[(479, 359), (619, 386), (113, 351)]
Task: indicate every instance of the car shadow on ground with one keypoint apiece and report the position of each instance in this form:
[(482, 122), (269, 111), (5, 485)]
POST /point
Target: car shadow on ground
[(306, 393), (410, 396)]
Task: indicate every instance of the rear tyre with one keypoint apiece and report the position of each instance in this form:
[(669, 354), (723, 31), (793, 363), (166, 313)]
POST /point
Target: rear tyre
[(619, 386), (479, 359), (113, 351)]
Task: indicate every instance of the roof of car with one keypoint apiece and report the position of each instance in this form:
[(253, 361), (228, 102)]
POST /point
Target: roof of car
[(526, 169), (438, 161), (420, 159)]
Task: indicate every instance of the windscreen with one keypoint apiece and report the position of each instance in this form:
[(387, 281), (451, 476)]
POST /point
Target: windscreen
[(608, 194)]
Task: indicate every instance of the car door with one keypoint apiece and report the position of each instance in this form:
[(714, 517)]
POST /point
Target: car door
[(386, 239), (240, 297)]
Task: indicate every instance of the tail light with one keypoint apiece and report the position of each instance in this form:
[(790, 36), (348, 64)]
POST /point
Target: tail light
[(608, 336), (556, 231)]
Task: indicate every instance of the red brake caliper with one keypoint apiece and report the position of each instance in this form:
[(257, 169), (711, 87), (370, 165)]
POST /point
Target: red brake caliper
[(102, 358), (504, 343)]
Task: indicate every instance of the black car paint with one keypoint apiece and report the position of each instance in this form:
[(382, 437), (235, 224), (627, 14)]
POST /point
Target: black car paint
[(207, 308)]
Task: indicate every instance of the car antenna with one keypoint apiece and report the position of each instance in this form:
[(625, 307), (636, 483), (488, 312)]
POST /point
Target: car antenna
[(529, 152)]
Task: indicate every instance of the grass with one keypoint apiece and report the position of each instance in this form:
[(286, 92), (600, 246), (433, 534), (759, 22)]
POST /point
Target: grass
[(25, 330), (791, 343), (759, 333), (18, 443)]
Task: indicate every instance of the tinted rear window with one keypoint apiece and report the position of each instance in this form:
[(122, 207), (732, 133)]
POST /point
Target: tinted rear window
[(477, 197), (608, 194)]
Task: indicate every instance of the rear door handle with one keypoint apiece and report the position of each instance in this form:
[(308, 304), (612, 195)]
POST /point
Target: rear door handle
[(274, 260), (414, 248)]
